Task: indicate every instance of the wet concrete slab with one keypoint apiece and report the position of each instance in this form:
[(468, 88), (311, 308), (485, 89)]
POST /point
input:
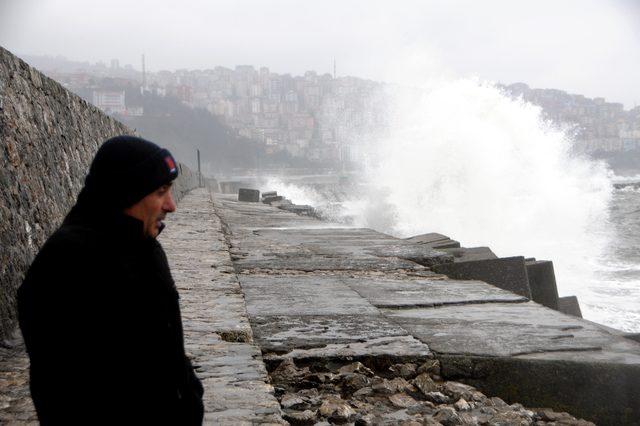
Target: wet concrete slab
[(500, 329), (317, 249), (306, 260), (254, 215), (412, 293), (285, 333), (302, 312), (379, 350), (266, 238), (302, 295)]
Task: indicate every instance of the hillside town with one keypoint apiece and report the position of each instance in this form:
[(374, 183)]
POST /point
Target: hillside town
[(319, 117), (600, 126), (312, 116)]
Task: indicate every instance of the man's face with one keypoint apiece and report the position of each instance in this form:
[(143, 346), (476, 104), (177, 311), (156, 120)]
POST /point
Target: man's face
[(152, 209)]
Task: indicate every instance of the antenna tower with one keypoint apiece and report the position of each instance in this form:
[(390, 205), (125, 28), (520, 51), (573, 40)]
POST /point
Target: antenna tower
[(144, 74)]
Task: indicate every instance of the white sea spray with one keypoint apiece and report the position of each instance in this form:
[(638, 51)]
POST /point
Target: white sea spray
[(464, 159)]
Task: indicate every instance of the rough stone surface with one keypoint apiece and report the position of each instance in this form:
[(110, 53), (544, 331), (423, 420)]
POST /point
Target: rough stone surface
[(16, 406), (48, 137), (216, 328)]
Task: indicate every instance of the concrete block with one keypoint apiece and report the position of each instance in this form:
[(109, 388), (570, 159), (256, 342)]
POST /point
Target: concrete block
[(434, 240), (282, 204), (269, 194), (463, 254), (632, 336), (507, 273), (542, 282), (268, 200), (562, 385), (418, 253), (248, 195), (569, 305)]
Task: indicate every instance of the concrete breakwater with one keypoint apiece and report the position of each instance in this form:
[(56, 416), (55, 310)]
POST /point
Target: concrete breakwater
[(349, 332), (319, 295)]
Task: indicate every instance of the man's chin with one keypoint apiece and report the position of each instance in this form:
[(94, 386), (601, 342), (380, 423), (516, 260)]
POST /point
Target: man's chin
[(159, 227)]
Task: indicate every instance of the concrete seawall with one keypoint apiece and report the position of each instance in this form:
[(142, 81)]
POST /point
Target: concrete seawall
[(48, 137), (318, 292)]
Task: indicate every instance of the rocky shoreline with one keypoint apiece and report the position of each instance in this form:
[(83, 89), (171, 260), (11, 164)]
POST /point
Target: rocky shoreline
[(403, 394)]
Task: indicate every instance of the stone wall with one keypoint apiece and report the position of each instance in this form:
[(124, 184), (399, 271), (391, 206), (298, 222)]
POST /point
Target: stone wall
[(48, 137), (186, 181)]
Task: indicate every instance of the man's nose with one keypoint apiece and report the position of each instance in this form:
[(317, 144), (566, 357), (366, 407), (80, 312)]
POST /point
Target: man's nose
[(169, 204)]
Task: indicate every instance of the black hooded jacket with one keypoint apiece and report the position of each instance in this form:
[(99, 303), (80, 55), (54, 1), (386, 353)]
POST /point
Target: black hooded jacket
[(101, 321)]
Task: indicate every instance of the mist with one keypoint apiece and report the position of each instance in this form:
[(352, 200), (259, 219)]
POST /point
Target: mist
[(587, 47)]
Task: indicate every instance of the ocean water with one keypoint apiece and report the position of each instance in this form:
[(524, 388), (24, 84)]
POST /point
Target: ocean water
[(613, 294), (465, 160)]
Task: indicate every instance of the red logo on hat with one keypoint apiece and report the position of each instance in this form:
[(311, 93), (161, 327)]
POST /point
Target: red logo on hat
[(170, 163)]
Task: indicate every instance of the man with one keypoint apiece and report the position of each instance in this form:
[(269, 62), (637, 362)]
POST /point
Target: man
[(98, 308)]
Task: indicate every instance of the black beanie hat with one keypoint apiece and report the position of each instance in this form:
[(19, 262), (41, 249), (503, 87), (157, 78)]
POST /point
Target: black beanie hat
[(126, 169)]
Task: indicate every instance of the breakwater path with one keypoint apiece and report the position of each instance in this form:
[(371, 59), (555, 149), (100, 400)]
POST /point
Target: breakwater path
[(217, 333), (288, 318)]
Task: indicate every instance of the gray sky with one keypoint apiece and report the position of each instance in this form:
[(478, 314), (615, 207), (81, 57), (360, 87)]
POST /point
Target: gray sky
[(590, 47)]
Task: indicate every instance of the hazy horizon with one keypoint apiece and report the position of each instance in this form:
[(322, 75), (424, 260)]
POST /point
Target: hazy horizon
[(588, 47)]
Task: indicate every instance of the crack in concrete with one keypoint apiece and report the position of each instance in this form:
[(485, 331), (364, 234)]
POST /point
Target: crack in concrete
[(436, 305)]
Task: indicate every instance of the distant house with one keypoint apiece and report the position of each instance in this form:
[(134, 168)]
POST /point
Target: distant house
[(109, 101), (135, 111)]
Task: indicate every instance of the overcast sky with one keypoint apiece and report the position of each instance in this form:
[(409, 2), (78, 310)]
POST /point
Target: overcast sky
[(590, 47)]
